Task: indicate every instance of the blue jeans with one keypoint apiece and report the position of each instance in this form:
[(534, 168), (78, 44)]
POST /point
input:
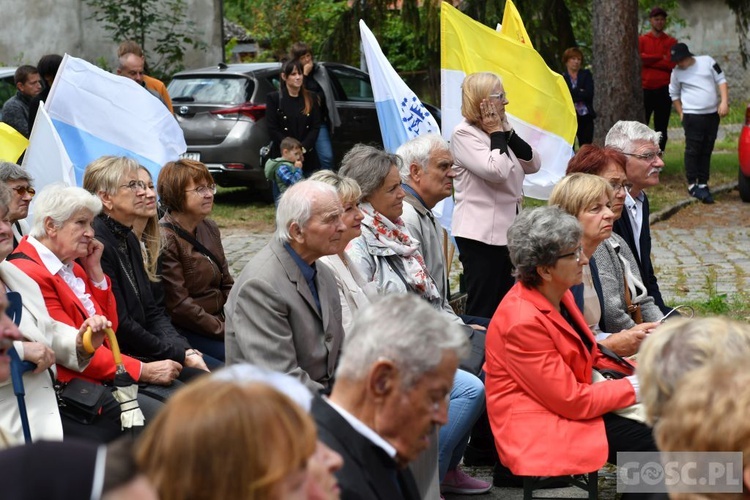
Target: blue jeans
[(466, 404), (324, 148)]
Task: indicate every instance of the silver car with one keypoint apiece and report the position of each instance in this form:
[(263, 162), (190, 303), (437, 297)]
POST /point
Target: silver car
[(221, 110)]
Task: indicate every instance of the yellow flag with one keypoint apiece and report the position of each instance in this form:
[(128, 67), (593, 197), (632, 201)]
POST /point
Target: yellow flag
[(12, 143), (540, 109), (513, 25)]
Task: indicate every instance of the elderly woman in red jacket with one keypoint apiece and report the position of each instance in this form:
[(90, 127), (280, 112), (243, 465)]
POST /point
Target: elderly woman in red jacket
[(61, 237), (547, 417)]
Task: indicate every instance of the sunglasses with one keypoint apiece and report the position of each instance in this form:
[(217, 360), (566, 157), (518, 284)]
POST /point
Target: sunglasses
[(22, 190)]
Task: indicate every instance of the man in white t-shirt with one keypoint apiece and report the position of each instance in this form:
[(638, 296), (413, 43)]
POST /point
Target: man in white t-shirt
[(693, 91)]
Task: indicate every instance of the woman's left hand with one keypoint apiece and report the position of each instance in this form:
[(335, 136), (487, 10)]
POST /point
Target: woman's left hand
[(92, 261)]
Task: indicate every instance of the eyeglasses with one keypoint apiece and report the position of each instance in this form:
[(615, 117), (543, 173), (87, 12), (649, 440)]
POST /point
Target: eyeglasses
[(499, 97), (624, 186), (23, 190), (203, 190), (649, 157), (575, 253), (135, 186)]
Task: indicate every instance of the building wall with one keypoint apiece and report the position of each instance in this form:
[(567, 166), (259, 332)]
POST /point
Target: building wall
[(710, 30), (33, 28)]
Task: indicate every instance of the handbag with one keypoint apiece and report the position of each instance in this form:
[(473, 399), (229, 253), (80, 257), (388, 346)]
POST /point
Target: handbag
[(474, 362), (635, 411), (633, 309), (80, 399)]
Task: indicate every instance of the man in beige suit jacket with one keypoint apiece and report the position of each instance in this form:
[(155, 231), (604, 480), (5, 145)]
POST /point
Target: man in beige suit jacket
[(283, 312)]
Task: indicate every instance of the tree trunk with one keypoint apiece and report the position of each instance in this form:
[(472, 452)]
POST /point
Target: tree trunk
[(616, 65)]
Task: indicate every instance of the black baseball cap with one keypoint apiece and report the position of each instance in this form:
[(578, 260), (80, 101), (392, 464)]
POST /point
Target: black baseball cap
[(679, 52)]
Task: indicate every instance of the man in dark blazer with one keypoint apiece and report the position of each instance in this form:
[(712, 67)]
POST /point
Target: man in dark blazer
[(641, 146), (283, 312), (391, 391)]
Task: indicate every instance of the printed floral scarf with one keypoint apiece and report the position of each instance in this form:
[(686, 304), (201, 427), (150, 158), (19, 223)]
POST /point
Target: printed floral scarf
[(395, 237)]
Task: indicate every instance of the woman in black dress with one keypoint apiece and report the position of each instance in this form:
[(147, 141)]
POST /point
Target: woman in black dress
[(293, 111)]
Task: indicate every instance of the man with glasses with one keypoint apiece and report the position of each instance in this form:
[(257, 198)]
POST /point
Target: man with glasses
[(693, 91), (640, 145), (19, 181)]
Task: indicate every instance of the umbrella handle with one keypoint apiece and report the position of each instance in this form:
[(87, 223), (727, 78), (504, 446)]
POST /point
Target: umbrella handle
[(113, 345)]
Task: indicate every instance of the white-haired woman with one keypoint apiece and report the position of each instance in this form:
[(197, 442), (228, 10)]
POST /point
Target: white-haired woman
[(64, 258), (46, 343)]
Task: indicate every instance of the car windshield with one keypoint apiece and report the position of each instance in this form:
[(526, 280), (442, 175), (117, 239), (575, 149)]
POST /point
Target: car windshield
[(211, 89)]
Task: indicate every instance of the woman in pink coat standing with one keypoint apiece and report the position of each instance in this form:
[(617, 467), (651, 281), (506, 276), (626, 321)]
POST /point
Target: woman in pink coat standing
[(491, 161)]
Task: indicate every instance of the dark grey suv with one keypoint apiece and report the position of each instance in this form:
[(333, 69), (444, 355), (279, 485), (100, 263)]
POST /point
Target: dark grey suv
[(222, 110)]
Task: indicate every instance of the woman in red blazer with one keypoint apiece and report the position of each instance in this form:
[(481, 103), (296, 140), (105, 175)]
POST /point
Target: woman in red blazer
[(547, 417), (73, 292)]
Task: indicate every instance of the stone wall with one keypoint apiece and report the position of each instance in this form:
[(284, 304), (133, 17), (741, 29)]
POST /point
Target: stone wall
[(33, 28), (710, 30)]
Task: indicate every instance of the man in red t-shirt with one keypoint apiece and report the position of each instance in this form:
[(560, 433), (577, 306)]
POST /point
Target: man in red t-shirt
[(656, 69)]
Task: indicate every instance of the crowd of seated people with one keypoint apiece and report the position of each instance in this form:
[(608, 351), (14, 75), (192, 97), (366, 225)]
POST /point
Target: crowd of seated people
[(347, 304)]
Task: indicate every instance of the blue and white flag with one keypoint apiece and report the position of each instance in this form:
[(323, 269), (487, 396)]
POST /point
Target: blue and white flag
[(401, 114), (97, 113)]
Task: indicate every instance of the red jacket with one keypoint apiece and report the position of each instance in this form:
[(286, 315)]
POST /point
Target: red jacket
[(656, 66), (63, 306), (544, 411)]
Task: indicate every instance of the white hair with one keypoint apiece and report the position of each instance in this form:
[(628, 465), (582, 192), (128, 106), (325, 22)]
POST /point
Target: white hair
[(296, 205), (286, 384), (404, 329), (59, 203), (623, 134), (418, 151)]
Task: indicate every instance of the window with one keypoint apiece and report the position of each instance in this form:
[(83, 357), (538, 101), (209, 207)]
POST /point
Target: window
[(355, 85), (211, 90)]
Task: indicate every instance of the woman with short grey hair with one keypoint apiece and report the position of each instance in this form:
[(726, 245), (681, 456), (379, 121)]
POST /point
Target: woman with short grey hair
[(20, 182), (540, 359), (386, 254)]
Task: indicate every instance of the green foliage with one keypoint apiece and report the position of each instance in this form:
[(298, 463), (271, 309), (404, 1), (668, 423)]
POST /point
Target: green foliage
[(277, 24), (161, 27)]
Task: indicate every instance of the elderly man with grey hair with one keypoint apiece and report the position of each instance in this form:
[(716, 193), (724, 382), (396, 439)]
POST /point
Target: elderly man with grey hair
[(391, 391), (640, 145), (19, 181), (283, 312)]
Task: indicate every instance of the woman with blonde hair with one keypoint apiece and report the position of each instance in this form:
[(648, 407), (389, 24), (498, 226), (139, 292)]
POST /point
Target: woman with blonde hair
[(491, 161), (146, 227), (611, 280), (221, 439)]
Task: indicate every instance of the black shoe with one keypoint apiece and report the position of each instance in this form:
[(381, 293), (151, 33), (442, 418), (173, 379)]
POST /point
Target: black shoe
[(475, 456), (707, 199), (701, 193), (502, 477)]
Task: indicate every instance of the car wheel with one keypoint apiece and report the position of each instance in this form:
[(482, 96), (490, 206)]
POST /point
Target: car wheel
[(743, 185)]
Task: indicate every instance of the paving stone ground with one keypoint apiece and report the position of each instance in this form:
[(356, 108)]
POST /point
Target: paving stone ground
[(701, 251)]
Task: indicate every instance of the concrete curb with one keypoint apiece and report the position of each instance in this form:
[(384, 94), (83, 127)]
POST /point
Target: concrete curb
[(668, 212)]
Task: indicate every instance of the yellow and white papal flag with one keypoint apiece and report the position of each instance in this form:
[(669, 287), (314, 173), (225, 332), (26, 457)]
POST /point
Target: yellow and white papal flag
[(540, 110)]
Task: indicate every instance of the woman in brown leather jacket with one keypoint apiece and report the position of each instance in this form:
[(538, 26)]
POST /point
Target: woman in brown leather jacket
[(194, 268)]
